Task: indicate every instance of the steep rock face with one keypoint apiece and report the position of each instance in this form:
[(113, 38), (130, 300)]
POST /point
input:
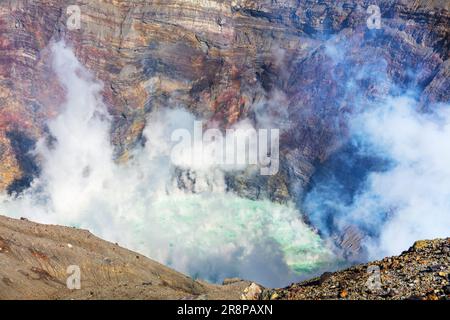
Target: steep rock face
[(286, 64)]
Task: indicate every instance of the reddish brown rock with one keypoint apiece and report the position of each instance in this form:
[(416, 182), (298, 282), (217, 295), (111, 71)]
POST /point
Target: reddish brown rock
[(221, 59)]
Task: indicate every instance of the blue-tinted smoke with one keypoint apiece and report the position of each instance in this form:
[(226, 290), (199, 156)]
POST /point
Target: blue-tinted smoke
[(390, 178)]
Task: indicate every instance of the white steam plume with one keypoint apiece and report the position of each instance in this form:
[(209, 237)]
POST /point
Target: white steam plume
[(391, 179), (205, 232), (415, 191), (406, 199)]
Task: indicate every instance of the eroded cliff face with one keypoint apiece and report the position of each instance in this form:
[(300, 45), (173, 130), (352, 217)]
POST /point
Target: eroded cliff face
[(224, 60), (300, 66)]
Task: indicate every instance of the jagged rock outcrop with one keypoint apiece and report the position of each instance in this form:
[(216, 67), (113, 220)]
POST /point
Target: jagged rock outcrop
[(420, 273), (223, 60)]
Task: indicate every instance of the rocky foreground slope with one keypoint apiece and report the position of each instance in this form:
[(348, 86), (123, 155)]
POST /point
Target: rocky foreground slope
[(34, 259), (422, 272)]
